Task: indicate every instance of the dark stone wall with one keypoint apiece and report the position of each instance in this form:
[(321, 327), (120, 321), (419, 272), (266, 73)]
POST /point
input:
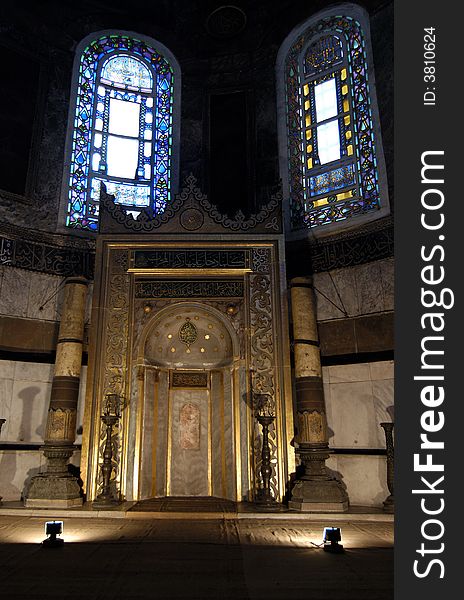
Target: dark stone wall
[(48, 32), (382, 47)]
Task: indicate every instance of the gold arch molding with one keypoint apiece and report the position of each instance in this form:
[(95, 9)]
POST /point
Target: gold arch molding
[(252, 355)]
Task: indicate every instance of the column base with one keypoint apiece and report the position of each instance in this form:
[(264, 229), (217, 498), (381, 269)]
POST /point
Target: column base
[(325, 495), (108, 505), (266, 503), (389, 505), (53, 492)]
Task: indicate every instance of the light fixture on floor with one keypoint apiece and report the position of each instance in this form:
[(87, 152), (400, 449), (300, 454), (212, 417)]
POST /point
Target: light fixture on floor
[(332, 535), (52, 530)]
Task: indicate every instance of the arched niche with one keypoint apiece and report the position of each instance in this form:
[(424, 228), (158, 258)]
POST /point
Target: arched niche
[(189, 336), (187, 353)]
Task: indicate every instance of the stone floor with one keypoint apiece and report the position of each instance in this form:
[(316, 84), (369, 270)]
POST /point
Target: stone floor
[(195, 558)]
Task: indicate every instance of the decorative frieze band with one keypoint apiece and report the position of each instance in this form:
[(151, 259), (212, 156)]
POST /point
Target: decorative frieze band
[(191, 259), (348, 251), (189, 289), (63, 261)]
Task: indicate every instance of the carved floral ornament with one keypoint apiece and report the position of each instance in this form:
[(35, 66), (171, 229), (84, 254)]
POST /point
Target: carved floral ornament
[(188, 333), (191, 206), (262, 347)]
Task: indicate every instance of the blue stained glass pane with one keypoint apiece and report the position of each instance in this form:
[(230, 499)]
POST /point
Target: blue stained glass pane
[(332, 180), (126, 194), (92, 122), (316, 57), (125, 70)]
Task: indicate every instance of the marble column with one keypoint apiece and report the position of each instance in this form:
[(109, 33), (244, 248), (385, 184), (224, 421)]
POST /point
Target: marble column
[(55, 487), (315, 491)]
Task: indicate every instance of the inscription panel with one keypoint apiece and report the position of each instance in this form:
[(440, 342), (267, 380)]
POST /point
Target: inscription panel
[(189, 289), (191, 259), (184, 379)]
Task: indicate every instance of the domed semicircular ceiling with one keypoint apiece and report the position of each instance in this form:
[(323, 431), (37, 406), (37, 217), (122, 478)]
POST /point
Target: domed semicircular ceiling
[(189, 338)]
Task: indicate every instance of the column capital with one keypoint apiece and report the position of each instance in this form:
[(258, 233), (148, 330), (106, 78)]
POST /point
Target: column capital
[(306, 281), (77, 279)]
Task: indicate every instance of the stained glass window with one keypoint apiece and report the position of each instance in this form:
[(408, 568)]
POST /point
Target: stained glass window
[(122, 134), (331, 148)]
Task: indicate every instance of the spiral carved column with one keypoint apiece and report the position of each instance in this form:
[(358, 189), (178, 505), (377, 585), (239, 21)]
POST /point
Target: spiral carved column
[(315, 491), (55, 487)]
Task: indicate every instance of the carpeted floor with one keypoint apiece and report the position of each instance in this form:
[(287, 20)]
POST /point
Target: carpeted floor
[(204, 559), (183, 504)]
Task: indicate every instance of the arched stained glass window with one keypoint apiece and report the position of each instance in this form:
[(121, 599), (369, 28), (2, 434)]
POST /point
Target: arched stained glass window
[(122, 129), (332, 165)]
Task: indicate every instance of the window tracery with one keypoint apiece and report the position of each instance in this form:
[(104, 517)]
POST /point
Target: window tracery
[(332, 155), (122, 129)]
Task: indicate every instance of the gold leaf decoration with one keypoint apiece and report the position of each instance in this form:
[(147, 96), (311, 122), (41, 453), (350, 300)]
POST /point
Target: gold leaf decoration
[(188, 333)]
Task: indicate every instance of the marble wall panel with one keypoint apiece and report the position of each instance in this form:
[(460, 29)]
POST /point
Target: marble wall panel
[(189, 467), (29, 294), (384, 369), (229, 437), (388, 282), (25, 397), (353, 415), (327, 301), (369, 288), (336, 293), (17, 467), (29, 408), (162, 433), (328, 406), (348, 373), (383, 397), (14, 291), (24, 401), (6, 397), (363, 289), (148, 435), (217, 399), (45, 297), (358, 398), (365, 478), (30, 371), (7, 368)]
